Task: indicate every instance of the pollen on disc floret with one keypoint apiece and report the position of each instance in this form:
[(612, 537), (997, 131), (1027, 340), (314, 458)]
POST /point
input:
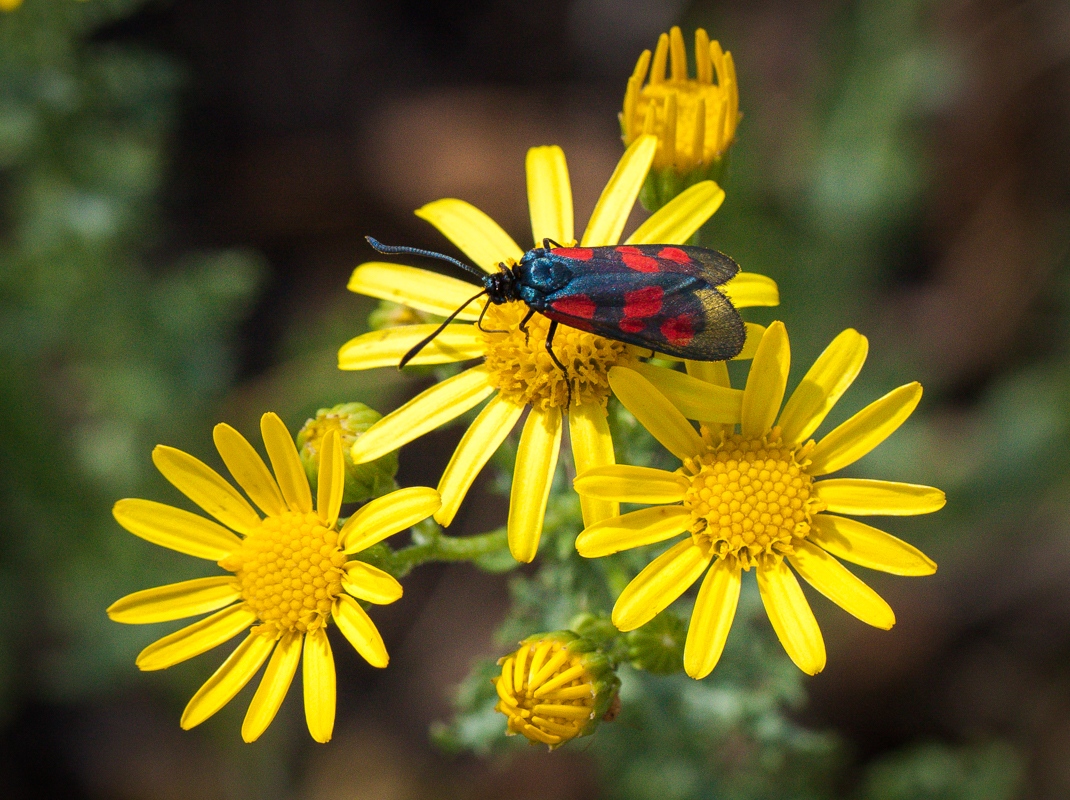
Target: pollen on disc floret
[(290, 571), (523, 372), (750, 498)]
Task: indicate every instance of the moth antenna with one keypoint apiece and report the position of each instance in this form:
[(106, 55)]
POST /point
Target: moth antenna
[(409, 356), (393, 250)]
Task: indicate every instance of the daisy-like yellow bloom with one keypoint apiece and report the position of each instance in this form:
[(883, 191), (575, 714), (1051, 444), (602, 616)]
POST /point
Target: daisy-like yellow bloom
[(289, 576), (516, 372), (751, 500), (695, 119)]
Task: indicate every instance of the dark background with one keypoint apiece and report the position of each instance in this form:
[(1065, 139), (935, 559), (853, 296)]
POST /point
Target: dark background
[(902, 167)]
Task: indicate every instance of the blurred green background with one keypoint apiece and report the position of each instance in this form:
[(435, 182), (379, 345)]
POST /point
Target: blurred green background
[(184, 189)]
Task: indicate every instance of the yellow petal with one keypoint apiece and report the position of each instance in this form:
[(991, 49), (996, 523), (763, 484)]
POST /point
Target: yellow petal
[(715, 372), (549, 195), (438, 405), (791, 617), (318, 680), (386, 348), (592, 447), (635, 529), (865, 430), (355, 624), (205, 487), (200, 637), (861, 544), (416, 288), (655, 413), (755, 332), (228, 680), (630, 484), (371, 583), (677, 220), (748, 289), (715, 608), (289, 471), (248, 469), (176, 600), (659, 584), (536, 460), (695, 398), (273, 687), (860, 496), (613, 207), (384, 516), (824, 384), (841, 586), (175, 529), (483, 437), (330, 482), (766, 382), (477, 235)]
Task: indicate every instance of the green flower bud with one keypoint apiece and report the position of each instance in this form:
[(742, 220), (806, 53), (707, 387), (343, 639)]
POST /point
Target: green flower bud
[(556, 687), (363, 481), (658, 646)]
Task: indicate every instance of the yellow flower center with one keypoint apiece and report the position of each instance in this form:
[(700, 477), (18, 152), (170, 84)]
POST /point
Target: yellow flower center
[(290, 570), (546, 693), (523, 372), (750, 498)]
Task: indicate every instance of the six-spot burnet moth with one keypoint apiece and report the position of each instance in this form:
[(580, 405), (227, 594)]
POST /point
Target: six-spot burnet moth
[(660, 297)]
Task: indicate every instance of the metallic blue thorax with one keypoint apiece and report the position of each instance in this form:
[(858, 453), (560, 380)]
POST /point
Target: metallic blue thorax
[(540, 273)]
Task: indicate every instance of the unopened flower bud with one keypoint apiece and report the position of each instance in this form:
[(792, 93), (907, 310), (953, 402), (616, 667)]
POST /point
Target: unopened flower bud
[(362, 481), (658, 646), (556, 687), (694, 119)]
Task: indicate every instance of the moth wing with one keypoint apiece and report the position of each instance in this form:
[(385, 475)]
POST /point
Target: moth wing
[(672, 313), (711, 266)]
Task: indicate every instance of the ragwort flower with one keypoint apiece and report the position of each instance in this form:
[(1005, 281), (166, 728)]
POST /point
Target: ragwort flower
[(750, 500), (695, 119), (516, 371), (556, 687), (290, 572)]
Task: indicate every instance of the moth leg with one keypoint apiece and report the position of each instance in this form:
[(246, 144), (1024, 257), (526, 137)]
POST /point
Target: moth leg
[(547, 242), (557, 362), (479, 322), (523, 326)]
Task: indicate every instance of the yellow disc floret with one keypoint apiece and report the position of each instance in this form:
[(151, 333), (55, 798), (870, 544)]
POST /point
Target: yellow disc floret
[(290, 570), (523, 372), (750, 498)]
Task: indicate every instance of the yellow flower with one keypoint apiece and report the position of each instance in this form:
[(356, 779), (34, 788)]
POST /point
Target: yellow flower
[(750, 500), (695, 119), (516, 368), (290, 572), (555, 688)]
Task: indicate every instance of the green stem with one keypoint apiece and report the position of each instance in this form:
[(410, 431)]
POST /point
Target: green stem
[(430, 544)]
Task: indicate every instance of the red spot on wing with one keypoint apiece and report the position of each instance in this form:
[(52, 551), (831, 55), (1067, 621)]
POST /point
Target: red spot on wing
[(645, 302), (674, 254), (577, 253), (678, 330), (632, 325), (634, 259), (579, 305)]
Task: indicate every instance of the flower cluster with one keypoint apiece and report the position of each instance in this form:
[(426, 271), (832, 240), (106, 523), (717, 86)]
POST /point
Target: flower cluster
[(750, 494)]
